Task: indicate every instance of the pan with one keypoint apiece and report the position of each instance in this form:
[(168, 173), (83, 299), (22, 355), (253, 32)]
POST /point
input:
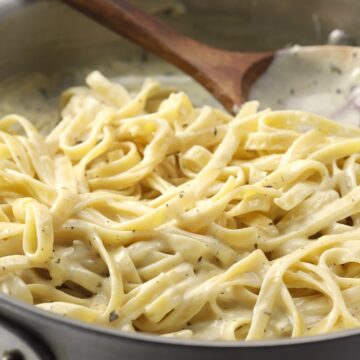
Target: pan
[(46, 37)]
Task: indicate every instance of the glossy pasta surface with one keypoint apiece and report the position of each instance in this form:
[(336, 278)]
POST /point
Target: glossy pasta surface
[(144, 213)]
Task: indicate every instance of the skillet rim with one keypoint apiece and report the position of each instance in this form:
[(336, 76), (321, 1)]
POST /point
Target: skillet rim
[(8, 304)]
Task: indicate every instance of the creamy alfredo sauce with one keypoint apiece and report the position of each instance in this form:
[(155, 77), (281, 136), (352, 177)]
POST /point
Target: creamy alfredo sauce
[(326, 82)]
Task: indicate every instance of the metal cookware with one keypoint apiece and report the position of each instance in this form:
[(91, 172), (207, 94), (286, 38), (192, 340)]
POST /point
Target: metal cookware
[(46, 36)]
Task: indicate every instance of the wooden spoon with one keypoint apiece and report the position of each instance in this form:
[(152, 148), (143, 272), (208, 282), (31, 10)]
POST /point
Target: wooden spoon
[(227, 75)]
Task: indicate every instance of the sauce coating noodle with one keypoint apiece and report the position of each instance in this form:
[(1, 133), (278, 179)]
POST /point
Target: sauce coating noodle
[(144, 213)]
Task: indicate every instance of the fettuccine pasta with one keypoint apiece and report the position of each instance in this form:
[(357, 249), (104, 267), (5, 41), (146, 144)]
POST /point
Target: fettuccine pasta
[(143, 213)]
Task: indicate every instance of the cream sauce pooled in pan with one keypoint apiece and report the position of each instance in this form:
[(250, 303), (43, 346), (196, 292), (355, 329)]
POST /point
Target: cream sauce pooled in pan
[(324, 82)]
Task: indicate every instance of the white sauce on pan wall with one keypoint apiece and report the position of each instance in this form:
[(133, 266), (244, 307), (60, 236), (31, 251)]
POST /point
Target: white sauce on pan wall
[(36, 95), (324, 82)]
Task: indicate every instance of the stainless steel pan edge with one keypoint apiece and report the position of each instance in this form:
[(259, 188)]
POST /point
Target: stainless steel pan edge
[(71, 339), (9, 7)]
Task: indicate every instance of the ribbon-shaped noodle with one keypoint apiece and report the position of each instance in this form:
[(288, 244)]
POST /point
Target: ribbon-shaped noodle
[(144, 213)]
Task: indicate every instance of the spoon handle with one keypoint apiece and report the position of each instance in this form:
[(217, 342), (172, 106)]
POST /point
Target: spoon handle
[(141, 28), (219, 71)]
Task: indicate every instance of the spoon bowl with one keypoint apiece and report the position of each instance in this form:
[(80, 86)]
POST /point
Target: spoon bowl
[(320, 79)]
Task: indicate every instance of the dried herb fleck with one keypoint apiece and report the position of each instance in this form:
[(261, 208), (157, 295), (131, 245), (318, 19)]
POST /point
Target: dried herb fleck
[(335, 69), (43, 92), (113, 316)]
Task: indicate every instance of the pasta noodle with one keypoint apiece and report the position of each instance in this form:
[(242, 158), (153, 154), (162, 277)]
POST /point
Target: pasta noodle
[(143, 213)]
